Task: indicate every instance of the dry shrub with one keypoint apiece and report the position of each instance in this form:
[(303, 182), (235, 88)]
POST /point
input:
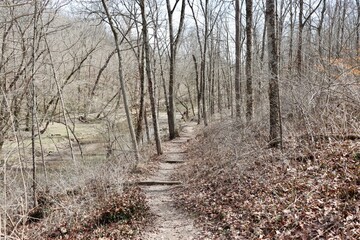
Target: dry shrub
[(115, 216), (82, 201), (322, 102)]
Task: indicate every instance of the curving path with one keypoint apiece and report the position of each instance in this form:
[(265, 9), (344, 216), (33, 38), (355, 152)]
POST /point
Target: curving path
[(170, 223)]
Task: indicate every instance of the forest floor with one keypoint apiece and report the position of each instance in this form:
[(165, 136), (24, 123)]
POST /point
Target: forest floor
[(238, 188), (170, 222), (217, 182)]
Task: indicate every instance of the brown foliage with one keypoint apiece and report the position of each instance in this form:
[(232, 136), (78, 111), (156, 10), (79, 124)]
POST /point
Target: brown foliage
[(112, 216), (241, 190)]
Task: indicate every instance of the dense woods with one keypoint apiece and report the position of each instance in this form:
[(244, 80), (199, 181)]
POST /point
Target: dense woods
[(87, 87)]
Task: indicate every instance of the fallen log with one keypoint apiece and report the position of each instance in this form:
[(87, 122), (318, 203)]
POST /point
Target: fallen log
[(157, 182), (174, 161)]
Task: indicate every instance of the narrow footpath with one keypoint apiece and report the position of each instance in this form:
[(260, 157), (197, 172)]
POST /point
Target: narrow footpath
[(170, 223)]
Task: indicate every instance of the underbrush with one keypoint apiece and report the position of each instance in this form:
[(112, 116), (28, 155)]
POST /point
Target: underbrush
[(240, 189), (82, 201), (112, 216)]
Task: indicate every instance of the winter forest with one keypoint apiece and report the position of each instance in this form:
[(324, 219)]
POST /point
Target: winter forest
[(179, 119)]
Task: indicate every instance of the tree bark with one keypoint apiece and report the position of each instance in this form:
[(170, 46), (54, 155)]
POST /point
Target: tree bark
[(300, 37), (237, 60), (33, 104), (139, 124), (319, 28), (248, 66), (358, 29), (274, 99), (174, 40), (150, 80), (203, 66), (290, 56), (198, 91)]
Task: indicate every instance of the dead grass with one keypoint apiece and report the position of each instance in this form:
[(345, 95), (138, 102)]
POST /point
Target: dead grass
[(72, 196), (85, 199)]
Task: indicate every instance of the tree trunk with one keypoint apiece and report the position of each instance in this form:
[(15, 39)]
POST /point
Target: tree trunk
[(188, 87), (237, 60), (174, 39), (33, 104), (147, 127), (300, 37), (203, 84), (139, 124), (198, 91), (342, 30), (203, 64), (249, 90), (357, 45), (319, 29), (122, 82), (150, 80), (274, 100), (290, 60)]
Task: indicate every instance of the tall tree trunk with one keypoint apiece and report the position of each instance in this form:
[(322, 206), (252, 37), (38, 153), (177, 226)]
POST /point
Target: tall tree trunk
[(33, 103), (290, 60), (122, 82), (139, 123), (219, 95), (211, 76), (319, 30), (174, 40), (338, 20), (342, 30), (274, 99), (188, 87), (301, 23), (203, 85), (198, 89), (262, 54), (248, 66), (147, 127), (150, 80), (171, 110), (237, 60), (300, 37), (358, 29), (203, 63)]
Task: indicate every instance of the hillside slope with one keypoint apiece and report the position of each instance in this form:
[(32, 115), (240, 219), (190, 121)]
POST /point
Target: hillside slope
[(240, 189)]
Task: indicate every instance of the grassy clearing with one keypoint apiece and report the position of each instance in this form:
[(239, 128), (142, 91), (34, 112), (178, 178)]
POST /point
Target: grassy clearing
[(55, 139)]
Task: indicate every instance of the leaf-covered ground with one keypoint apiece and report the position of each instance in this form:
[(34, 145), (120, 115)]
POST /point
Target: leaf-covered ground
[(242, 190), (110, 215)]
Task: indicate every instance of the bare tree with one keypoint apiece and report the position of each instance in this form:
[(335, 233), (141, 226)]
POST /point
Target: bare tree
[(248, 66), (358, 29), (149, 77), (274, 98), (301, 24), (300, 37), (237, 59), (121, 79), (174, 42), (319, 30)]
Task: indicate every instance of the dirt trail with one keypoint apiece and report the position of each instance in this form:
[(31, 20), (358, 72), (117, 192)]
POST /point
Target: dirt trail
[(170, 223)]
